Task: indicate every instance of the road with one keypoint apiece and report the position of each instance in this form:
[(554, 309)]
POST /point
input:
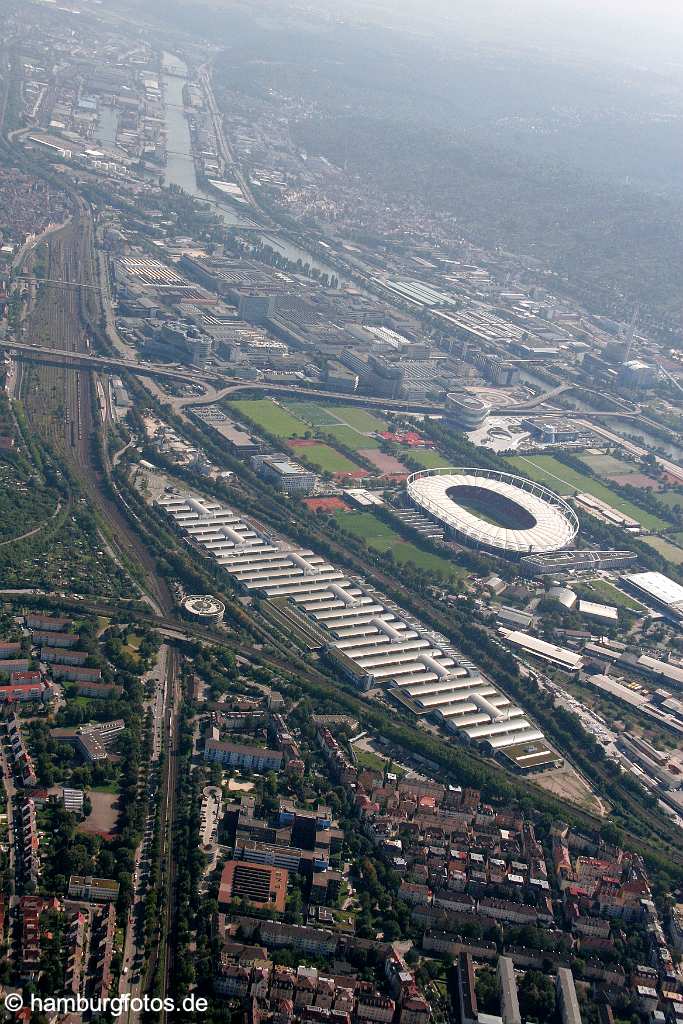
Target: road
[(57, 356), (223, 145), (163, 706)]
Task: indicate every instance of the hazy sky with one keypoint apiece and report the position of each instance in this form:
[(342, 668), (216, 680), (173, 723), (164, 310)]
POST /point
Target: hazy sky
[(642, 30)]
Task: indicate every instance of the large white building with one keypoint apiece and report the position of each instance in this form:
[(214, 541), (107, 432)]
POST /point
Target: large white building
[(666, 594), (368, 638)]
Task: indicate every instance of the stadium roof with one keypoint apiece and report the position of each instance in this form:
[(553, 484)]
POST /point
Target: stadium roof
[(551, 523)]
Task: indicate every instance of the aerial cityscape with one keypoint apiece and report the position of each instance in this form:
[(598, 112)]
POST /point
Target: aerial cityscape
[(341, 532)]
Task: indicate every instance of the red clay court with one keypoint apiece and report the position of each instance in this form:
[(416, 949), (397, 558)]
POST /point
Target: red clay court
[(326, 504)]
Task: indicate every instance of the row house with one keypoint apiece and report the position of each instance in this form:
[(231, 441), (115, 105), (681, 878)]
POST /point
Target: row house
[(30, 909), (29, 842), (23, 767)]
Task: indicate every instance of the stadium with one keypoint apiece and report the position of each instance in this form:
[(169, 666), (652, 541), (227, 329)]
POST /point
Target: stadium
[(499, 512)]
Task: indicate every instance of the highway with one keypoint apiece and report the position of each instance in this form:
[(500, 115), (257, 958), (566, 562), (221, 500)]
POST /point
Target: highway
[(53, 356), (219, 385)]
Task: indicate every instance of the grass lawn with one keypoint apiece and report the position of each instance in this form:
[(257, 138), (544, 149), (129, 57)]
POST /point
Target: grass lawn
[(273, 418), (79, 702), (604, 465), (350, 437), (428, 459), (382, 538), (313, 414), (671, 499), (359, 418), (325, 458), (606, 593), (367, 759), (107, 787), (668, 550), (678, 537), (548, 470)]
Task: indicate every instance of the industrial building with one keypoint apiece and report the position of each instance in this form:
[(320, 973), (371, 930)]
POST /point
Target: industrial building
[(367, 638), (529, 517), (570, 661), (285, 474), (661, 591), (556, 562)]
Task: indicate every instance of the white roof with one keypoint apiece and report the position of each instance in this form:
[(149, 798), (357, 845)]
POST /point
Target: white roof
[(658, 586), (554, 524), (543, 649), (600, 611)]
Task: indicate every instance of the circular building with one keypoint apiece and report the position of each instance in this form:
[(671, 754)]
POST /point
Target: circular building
[(502, 513), (466, 410), (204, 608)]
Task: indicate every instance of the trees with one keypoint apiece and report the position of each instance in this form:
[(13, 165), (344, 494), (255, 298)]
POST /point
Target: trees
[(537, 997)]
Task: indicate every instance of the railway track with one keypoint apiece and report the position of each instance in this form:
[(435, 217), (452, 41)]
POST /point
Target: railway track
[(61, 406)]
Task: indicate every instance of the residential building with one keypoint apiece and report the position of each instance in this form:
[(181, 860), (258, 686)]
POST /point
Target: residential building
[(234, 755), (89, 888)]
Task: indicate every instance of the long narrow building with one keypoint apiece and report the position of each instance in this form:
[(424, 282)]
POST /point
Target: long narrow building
[(364, 635)]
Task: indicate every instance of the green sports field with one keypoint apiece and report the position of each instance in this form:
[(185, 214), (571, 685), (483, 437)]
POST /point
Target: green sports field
[(428, 459), (607, 465), (322, 457), (671, 499), (548, 470), (604, 593), (312, 413), (381, 537), (271, 417), (361, 419), (350, 438)]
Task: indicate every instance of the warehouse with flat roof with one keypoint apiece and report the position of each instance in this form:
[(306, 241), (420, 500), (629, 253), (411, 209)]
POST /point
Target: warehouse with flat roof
[(365, 636), (661, 591)]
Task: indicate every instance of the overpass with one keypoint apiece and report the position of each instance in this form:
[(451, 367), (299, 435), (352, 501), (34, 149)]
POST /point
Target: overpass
[(214, 382), (207, 378)]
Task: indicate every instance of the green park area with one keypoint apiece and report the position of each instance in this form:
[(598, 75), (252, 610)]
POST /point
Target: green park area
[(325, 459), (271, 417), (548, 470), (380, 536)]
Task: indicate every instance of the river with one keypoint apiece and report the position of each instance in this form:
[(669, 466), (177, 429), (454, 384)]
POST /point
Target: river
[(180, 168)]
